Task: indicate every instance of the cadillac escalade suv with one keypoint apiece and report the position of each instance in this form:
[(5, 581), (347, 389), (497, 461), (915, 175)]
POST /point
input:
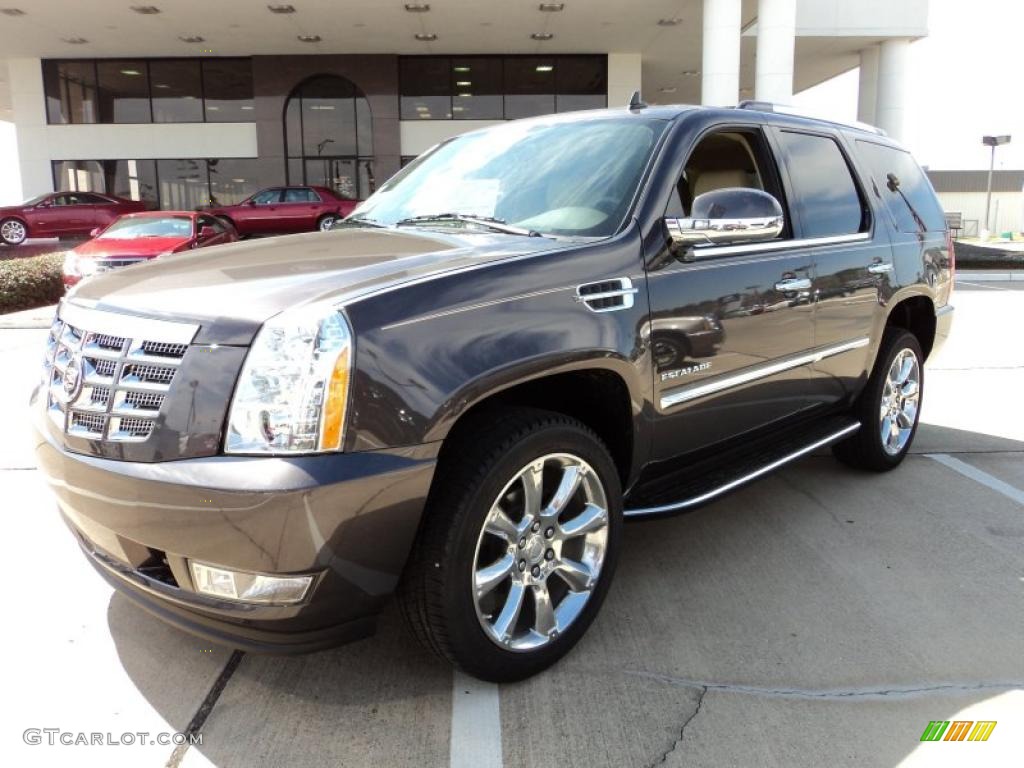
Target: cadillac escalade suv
[(529, 335)]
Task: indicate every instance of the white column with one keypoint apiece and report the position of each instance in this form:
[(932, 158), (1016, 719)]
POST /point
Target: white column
[(890, 108), (776, 36), (720, 70), (623, 77), (867, 91), (28, 105)]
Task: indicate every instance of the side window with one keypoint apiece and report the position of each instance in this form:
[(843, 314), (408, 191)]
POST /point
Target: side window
[(827, 200), (726, 159), (901, 183), (94, 200), (298, 195), (267, 197)]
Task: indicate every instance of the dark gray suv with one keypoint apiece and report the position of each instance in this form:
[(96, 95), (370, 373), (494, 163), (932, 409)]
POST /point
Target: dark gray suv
[(529, 335)]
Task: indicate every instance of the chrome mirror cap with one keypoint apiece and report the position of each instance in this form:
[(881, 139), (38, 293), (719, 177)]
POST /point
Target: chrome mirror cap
[(728, 216)]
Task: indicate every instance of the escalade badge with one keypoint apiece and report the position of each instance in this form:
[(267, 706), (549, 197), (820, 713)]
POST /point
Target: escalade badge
[(72, 380)]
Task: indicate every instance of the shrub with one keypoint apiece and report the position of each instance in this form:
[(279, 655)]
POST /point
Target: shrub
[(30, 282)]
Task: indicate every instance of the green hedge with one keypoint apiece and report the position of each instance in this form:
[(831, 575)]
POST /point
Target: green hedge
[(32, 282)]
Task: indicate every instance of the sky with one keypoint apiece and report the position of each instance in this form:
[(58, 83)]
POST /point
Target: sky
[(965, 83)]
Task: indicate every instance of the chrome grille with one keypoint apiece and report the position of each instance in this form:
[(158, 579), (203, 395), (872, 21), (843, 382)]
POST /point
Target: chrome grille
[(106, 386), (105, 265)]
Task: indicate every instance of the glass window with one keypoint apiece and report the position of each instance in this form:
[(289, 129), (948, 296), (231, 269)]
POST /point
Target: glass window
[(227, 84), (267, 197), (337, 174), (826, 198), (232, 180), (477, 88), (70, 88), (328, 117), (177, 91), (300, 195), (581, 82), (148, 226), (130, 179), (529, 86), (184, 184), (425, 84), (908, 194), (123, 91)]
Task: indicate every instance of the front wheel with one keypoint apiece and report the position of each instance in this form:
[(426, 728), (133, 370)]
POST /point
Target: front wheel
[(518, 545), (889, 407), (13, 231)]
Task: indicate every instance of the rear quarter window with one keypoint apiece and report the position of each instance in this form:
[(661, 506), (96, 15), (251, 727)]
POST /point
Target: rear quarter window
[(908, 195)]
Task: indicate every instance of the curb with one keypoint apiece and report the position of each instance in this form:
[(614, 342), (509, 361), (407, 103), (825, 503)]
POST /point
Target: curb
[(29, 319), (990, 276)]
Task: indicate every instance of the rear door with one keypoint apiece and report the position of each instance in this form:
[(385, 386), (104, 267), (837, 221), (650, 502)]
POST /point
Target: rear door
[(300, 208), (731, 325), (852, 256)]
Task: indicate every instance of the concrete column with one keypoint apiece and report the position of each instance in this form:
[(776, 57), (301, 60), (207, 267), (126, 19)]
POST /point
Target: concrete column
[(720, 70), (890, 109), (776, 36), (28, 105), (623, 77), (867, 93)]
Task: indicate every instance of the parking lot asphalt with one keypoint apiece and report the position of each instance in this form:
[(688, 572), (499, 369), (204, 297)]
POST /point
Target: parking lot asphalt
[(818, 617)]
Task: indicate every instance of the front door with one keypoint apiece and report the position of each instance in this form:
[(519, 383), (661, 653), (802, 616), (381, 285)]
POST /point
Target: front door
[(731, 326)]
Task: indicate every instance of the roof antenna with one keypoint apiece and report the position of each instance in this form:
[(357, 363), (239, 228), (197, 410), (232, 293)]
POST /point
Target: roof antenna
[(635, 102)]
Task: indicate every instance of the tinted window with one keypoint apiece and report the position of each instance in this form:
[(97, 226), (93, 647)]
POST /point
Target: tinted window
[(908, 194), (476, 88), (826, 198), (70, 88), (130, 179), (300, 195), (529, 87), (234, 179), (177, 91), (123, 91), (228, 88), (184, 184), (581, 83), (267, 196), (426, 87)]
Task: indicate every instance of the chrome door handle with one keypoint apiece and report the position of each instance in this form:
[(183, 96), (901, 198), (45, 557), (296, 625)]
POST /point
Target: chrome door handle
[(793, 284), (879, 268)]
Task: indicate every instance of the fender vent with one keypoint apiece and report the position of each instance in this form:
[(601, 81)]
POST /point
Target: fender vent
[(607, 295)]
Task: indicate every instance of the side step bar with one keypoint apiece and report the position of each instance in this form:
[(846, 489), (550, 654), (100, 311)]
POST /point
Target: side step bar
[(697, 493)]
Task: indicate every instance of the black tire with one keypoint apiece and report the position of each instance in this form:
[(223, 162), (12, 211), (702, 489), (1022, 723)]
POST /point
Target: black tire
[(7, 227), (435, 594), (865, 449), (325, 222)]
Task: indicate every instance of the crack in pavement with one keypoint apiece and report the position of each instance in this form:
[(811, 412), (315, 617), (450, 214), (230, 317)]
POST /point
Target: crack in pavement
[(835, 694), (682, 730)]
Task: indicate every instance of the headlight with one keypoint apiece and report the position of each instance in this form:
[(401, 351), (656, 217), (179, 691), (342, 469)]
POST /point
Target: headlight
[(292, 393)]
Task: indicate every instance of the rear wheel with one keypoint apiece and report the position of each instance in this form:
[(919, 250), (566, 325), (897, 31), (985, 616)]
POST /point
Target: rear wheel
[(324, 223), (518, 545), (889, 407), (13, 231)]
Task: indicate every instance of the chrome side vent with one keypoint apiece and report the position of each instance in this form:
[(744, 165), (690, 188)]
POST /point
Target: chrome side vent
[(607, 295)]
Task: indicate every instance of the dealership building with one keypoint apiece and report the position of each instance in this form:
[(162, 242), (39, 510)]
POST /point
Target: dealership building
[(182, 103)]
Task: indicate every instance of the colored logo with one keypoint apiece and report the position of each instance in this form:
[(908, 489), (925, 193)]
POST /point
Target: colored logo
[(958, 730)]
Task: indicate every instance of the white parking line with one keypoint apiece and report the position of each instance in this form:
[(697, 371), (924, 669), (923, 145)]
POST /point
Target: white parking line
[(476, 723), (982, 477)]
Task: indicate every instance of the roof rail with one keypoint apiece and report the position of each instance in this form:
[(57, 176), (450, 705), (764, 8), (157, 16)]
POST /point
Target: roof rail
[(785, 109)]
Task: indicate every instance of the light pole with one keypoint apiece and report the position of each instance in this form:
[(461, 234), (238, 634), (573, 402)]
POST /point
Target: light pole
[(993, 142)]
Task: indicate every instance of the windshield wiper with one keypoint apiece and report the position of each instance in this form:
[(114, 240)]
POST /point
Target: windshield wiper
[(499, 225)]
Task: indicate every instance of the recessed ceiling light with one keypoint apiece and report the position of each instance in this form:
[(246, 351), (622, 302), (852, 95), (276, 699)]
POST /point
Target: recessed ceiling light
[(146, 10), (672, 22), (417, 7), (551, 7), (461, 69), (248, 107), (12, 11), (426, 37), (133, 73), (281, 8), (192, 39), (310, 38), (158, 85), (74, 40), (689, 73), (458, 109), (545, 67), (463, 83), (465, 95), (542, 36)]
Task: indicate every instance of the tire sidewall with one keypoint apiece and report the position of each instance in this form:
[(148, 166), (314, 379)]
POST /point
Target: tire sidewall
[(876, 386), (476, 651)]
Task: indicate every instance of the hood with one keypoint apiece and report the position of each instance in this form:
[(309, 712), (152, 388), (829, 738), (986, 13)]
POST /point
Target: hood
[(230, 290), (100, 248)]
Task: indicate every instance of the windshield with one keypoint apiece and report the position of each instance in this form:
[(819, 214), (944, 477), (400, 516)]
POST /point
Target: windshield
[(35, 200), (149, 226), (558, 177)]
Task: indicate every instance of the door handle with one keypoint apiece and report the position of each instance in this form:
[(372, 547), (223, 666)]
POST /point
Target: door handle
[(879, 268), (793, 284)]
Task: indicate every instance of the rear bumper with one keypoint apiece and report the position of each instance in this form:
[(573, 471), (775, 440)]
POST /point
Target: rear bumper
[(943, 326), (349, 519)]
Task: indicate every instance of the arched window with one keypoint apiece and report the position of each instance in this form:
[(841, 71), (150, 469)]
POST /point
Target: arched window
[(329, 136)]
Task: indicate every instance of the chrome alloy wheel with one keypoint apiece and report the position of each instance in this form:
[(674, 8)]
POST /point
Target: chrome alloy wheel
[(13, 231), (326, 223), (901, 398), (540, 552)]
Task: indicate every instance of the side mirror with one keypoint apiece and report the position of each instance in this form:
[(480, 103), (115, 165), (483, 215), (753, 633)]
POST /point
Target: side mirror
[(730, 216), (206, 232), (94, 231)]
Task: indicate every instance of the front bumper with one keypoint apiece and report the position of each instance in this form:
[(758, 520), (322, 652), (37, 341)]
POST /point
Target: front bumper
[(348, 518)]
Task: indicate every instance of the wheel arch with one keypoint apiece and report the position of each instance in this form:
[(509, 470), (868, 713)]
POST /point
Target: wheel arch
[(915, 313)]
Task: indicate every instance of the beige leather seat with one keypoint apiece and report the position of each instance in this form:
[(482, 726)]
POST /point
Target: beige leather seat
[(709, 180)]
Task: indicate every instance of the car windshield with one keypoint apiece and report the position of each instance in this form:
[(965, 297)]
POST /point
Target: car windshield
[(36, 200), (553, 177), (149, 226)]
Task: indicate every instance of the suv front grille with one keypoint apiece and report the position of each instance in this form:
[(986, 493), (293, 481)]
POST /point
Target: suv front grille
[(102, 385)]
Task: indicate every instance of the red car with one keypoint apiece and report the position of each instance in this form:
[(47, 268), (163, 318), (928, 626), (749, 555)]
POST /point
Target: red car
[(144, 236), (286, 209), (62, 214)]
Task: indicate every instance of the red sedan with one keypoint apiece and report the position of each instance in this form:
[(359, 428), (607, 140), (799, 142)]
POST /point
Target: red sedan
[(286, 209), (62, 214), (144, 236)]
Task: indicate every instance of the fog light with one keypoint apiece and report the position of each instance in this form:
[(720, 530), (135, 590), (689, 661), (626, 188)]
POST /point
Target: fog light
[(249, 587)]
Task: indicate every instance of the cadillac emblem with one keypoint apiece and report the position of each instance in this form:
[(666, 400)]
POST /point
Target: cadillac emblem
[(72, 386)]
